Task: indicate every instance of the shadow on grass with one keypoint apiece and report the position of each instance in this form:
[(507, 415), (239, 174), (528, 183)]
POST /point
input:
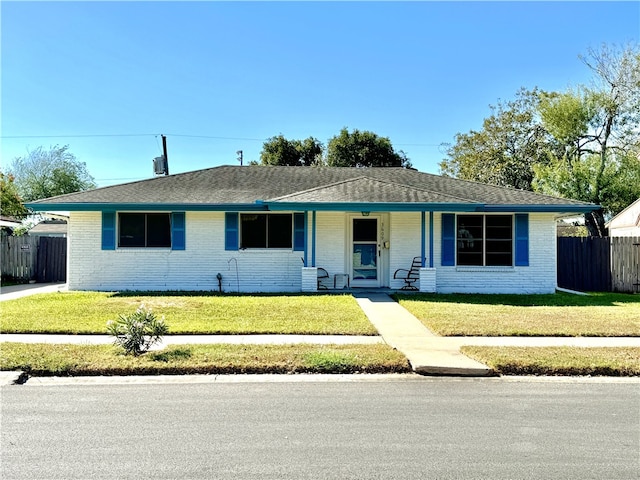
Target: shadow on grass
[(198, 293), (171, 355), (518, 300)]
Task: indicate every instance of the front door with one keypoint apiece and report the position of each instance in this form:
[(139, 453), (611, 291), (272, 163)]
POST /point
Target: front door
[(365, 264)]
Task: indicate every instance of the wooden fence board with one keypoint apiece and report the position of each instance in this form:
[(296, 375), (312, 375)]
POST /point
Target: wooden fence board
[(18, 257), (27, 258), (625, 264), (584, 263), (52, 260), (591, 264)]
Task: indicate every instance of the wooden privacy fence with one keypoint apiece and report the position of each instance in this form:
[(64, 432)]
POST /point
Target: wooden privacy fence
[(25, 258), (593, 264), (625, 264)]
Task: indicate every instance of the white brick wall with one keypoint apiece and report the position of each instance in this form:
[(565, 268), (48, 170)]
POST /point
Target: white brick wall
[(331, 241), (538, 277), (405, 243), (195, 268)]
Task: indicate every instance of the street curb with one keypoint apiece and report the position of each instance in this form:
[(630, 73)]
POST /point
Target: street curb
[(12, 377)]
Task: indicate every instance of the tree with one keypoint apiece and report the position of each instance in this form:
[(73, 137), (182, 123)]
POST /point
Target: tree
[(363, 149), (280, 151), (578, 144), (599, 127), (504, 152), (10, 201), (47, 173)]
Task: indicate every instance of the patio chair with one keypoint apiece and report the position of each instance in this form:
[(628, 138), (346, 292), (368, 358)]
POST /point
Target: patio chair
[(322, 274), (411, 275)]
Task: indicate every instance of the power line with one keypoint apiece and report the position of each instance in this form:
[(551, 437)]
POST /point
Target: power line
[(83, 136), (132, 135)]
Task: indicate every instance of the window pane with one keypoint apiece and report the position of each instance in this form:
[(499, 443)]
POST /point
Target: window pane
[(253, 231), (158, 230), (365, 230), (131, 230), (499, 227), (469, 240), (279, 230), (499, 240)]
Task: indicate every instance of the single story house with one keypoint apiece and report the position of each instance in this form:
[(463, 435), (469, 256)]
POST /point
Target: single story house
[(8, 224), (627, 222), (50, 228), (270, 228)]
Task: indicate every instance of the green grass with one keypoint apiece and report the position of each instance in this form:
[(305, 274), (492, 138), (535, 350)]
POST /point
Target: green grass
[(88, 312), (608, 361), (77, 360), (598, 315)]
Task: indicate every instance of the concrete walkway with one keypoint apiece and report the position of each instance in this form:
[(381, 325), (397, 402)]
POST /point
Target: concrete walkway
[(18, 291), (404, 332)]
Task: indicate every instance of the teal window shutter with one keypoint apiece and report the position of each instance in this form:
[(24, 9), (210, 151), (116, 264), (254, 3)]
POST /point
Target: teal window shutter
[(108, 230), (298, 231), (448, 240), (231, 231), (522, 240), (178, 231)]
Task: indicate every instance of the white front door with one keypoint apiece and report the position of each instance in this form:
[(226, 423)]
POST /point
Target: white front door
[(365, 252)]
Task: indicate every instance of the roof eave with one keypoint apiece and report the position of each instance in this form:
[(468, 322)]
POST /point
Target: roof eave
[(150, 207), (317, 206), (426, 207)]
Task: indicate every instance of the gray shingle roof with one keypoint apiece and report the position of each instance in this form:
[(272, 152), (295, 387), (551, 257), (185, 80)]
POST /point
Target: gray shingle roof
[(245, 185)]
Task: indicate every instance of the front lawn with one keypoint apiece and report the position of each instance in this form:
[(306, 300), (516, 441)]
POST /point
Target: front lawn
[(88, 312), (75, 360), (561, 314), (616, 361)]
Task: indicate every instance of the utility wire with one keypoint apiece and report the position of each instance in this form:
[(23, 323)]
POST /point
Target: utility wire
[(131, 135)]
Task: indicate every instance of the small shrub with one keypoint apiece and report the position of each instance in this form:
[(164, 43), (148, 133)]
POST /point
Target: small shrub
[(138, 332)]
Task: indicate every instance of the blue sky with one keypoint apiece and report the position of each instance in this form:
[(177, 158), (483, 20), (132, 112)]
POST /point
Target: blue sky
[(108, 78)]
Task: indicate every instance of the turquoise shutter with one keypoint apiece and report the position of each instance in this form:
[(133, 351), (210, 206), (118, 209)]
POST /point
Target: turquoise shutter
[(522, 240), (298, 231), (178, 231), (448, 240), (231, 231), (108, 230)]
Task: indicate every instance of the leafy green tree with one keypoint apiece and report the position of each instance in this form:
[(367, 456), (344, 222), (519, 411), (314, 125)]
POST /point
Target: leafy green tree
[(504, 151), (599, 128), (363, 149), (10, 202), (280, 151), (47, 173)]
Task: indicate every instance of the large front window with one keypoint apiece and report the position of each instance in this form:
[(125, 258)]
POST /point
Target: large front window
[(262, 230), (144, 230), (484, 240)]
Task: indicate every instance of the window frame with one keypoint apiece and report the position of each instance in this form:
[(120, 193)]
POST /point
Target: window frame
[(462, 241), (166, 238)]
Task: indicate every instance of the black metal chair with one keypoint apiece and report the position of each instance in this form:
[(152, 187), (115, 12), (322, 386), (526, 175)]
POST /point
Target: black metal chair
[(411, 275), (322, 274)]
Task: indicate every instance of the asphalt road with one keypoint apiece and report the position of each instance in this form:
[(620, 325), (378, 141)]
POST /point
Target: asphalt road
[(416, 429)]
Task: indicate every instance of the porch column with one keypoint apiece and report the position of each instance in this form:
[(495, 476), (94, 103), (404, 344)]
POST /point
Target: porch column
[(309, 279), (313, 238), (431, 239), (427, 274), (423, 252)]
